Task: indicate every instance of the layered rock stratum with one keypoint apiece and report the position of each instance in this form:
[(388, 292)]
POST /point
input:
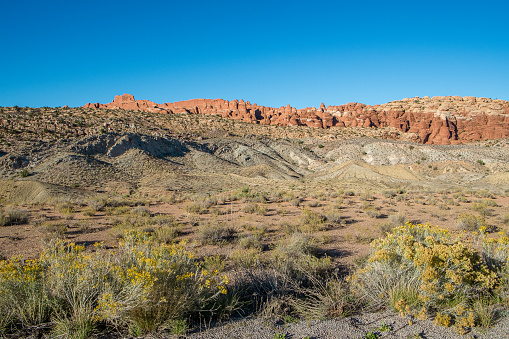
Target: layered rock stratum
[(438, 120)]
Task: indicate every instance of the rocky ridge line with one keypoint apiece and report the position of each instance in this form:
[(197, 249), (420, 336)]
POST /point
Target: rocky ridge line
[(437, 120)]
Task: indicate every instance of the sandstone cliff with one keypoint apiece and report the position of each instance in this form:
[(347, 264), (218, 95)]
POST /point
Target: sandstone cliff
[(436, 120)]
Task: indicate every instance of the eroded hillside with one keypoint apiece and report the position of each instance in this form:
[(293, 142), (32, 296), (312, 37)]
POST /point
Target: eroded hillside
[(109, 150)]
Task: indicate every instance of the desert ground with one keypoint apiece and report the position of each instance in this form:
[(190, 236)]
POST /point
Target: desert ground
[(241, 193)]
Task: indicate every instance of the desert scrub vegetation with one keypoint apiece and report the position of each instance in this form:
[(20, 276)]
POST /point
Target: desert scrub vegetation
[(203, 204), (311, 221), (216, 233), (13, 215), (424, 271), (141, 287), (254, 208), (471, 222)]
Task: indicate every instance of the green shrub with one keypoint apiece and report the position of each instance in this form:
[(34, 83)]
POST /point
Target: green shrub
[(251, 241), (24, 173), (249, 258), (470, 222), (165, 234), (312, 221)]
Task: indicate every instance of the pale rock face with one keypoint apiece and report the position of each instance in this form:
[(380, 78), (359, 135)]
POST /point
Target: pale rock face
[(436, 120)]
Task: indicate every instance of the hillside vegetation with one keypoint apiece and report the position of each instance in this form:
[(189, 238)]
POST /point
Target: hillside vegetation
[(118, 222)]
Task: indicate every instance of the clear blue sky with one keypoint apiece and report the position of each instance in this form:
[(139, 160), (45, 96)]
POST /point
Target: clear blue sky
[(269, 52)]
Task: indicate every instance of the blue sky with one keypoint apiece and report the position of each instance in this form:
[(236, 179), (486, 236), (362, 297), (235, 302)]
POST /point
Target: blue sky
[(269, 52)]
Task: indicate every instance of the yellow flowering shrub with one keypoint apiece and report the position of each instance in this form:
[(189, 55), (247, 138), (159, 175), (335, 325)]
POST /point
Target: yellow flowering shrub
[(495, 252), (142, 284), (22, 293), (151, 284), (427, 261)]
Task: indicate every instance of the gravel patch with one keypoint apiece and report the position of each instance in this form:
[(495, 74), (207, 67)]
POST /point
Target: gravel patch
[(352, 327)]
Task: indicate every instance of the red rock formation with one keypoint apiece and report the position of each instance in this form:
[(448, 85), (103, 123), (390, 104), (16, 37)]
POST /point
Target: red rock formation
[(437, 120)]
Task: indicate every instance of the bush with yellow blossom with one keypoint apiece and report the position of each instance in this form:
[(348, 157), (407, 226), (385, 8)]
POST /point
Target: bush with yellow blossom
[(142, 285), (421, 270)]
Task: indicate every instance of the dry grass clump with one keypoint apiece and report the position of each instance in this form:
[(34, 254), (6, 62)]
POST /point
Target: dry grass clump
[(483, 194), (337, 203), (119, 201), (296, 201), (371, 210), (273, 284), (287, 196), (216, 233), (251, 241), (257, 230), (289, 228), (140, 288), (360, 236), (163, 220), (422, 270), (117, 210), (314, 203), (298, 254), (401, 197), (52, 233), (141, 211), (89, 212), (505, 220), (348, 193), (96, 204), (247, 258), (245, 194), (483, 206), (397, 219), (385, 227), (202, 205), (325, 299), (166, 234), (333, 217), (66, 208), (373, 213), (366, 197), (253, 208), (487, 202), (13, 215), (389, 194)]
